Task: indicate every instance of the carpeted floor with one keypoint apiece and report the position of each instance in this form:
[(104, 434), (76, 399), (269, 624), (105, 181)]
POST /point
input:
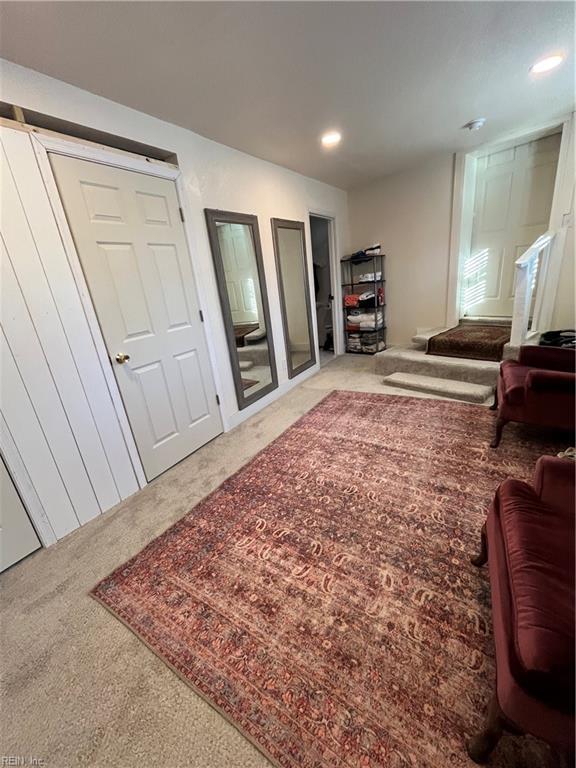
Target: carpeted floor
[(474, 341), (79, 688), (322, 598)]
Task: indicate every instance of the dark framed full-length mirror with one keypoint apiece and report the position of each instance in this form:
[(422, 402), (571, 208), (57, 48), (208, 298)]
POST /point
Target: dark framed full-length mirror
[(237, 254), (290, 251)]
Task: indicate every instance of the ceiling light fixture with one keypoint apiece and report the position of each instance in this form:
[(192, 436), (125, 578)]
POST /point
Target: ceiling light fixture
[(331, 139), (476, 124), (545, 65)]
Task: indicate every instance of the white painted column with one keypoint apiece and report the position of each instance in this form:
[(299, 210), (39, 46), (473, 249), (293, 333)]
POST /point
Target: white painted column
[(522, 300)]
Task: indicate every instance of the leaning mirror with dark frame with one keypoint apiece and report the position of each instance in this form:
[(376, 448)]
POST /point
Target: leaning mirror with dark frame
[(290, 251), (237, 254)]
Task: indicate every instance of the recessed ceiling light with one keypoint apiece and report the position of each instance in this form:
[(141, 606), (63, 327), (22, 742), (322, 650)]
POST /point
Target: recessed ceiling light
[(331, 139), (545, 65), (476, 124)]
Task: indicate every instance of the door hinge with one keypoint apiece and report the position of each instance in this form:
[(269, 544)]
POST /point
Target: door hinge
[(181, 214), (218, 399), (201, 315)]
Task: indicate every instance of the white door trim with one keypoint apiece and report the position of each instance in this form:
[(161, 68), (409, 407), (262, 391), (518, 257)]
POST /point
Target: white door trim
[(44, 144), (100, 154), (335, 277), (463, 202)]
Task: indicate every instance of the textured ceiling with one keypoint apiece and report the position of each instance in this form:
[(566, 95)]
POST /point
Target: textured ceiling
[(397, 79)]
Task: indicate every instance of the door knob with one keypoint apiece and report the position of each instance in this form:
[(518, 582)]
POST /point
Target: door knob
[(122, 357)]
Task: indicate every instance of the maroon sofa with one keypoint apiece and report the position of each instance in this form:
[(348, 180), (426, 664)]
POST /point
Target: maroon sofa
[(528, 540), (538, 388)]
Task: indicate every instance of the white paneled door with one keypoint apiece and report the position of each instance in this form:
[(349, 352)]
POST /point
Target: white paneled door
[(514, 191), (131, 244), (241, 274)]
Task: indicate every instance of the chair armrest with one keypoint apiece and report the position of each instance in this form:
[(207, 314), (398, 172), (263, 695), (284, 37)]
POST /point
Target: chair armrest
[(550, 358), (540, 380), (555, 481)]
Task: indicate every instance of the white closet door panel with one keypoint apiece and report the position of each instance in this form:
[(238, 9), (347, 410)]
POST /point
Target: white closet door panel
[(116, 479), (31, 444), (514, 191), (239, 268), (17, 535), (31, 281), (31, 363)]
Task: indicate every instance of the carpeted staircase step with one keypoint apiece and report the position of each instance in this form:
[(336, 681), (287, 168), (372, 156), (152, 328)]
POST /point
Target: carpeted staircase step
[(459, 390), (421, 338), (401, 359), (257, 354), (471, 341)]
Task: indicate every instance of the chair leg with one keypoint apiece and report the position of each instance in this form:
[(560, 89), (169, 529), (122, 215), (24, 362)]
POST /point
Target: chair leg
[(500, 424), (482, 556), (481, 746), (494, 406)]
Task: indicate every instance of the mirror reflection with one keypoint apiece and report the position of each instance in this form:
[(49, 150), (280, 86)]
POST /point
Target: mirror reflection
[(238, 260), (290, 249)]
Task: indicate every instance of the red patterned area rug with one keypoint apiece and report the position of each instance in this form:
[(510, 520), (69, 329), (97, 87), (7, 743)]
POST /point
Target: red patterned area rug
[(322, 597), (472, 341)]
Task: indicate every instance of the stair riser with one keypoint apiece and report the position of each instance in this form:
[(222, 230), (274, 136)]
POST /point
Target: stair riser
[(467, 398), (386, 365), (486, 321)]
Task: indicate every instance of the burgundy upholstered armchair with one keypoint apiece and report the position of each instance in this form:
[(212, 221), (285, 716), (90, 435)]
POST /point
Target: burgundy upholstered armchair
[(538, 388), (528, 540)]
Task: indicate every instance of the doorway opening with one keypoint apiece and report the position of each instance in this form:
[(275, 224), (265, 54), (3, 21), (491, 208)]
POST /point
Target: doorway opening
[(321, 239)]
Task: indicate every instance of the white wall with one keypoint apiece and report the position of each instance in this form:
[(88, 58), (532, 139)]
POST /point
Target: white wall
[(215, 176), (409, 214)]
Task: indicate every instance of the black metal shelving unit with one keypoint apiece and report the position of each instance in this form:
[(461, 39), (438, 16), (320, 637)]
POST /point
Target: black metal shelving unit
[(364, 341)]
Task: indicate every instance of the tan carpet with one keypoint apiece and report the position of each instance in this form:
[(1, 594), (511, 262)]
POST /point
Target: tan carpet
[(82, 689)]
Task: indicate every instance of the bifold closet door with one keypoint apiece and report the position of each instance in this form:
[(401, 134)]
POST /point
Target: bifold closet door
[(513, 200), (131, 244), (17, 535)]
